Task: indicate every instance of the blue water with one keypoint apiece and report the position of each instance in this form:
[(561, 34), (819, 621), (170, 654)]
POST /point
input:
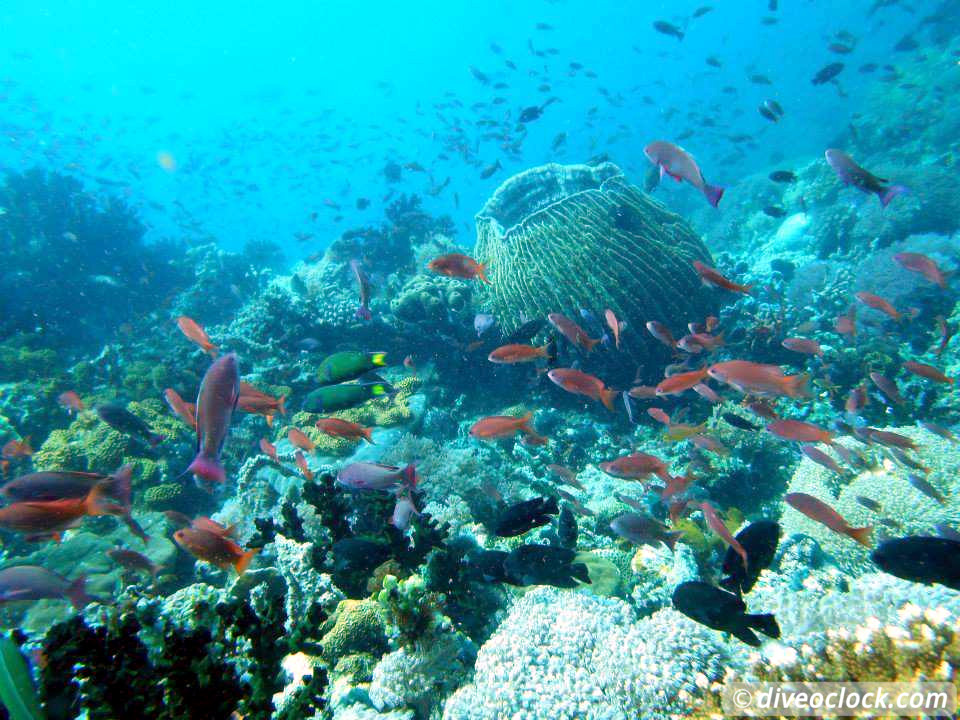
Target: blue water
[(269, 111)]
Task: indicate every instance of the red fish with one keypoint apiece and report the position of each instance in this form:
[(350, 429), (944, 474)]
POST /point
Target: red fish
[(269, 449), (181, 408), (752, 378), (255, 401), (856, 400), (818, 510), (700, 342), (197, 335), (926, 371), (922, 264), (214, 548), (642, 392), (680, 165), (301, 462), (681, 382), (580, 383), (707, 393), (216, 401), (800, 431), (637, 466), (712, 278), (676, 486), (363, 284), (710, 444), (889, 439), (70, 401), (50, 517), (946, 332), (803, 346), (878, 303), (17, 449), (572, 332), (821, 458), (614, 325), (497, 427), (345, 429), (300, 440), (717, 525), (460, 266), (659, 415), (888, 387), (852, 174), (662, 333), (517, 353), (847, 324)]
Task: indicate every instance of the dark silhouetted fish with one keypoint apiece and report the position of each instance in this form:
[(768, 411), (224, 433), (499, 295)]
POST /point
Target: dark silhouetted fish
[(721, 610), (525, 516), (125, 422), (666, 28), (760, 540), (545, 565), (827, 73), (921, 559)]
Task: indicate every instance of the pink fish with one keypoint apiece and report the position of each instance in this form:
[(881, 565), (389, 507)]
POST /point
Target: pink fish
[(680, 165), (216, 401), (852, 174)]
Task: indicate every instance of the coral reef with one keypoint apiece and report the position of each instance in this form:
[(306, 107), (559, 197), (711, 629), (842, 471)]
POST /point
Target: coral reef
[(560, 238)]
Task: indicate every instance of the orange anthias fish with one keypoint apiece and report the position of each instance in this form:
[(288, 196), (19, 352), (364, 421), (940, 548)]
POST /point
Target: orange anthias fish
[(16, 449), (197, 335), (214, 548), (345, 429), (269, 449), (752, 378), (681, 382), (181, 408), (804, 346), (637, 466), (846, 324), (518, 353), (878, 303), (927, 371), (299, 439), (922, 264), (257, 402), (818, 510), (717, 525), (579, 383), (572, 332), (800, 431), (50, 517), (460, 266), (614, 325), (711, 277), (301, 462), (497, 427), (70, 401)]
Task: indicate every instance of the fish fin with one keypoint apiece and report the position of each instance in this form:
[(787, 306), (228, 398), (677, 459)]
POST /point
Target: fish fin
[(368, 435), (524, 422), (797, 385), (120, 484), (888, 194), (156, 439), (410, 476), (481, 273), (713, 193), (607, 397), (765, 623), (745, 634), (590, 342), (551, 352), (671, 539), (862, 535), (93, 504), (379, 389), (281, 408), (730, 584), (77, 593), (213, 351), (269, 419), (243, 562), (551, 507), (207, 469), (580, 571), (379, 359)]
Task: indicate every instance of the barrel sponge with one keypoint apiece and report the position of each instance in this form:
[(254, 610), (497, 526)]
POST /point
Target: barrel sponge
[(557, 238)]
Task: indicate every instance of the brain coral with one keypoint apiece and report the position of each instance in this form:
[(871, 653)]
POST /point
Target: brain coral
[(885, 483), (564, 655), (558, 238)]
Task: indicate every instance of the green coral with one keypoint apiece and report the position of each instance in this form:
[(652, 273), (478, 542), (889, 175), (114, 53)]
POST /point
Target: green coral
[(357, 626), (558, 238), (357, 667), (413, 613), (162, 495), (21, 363)]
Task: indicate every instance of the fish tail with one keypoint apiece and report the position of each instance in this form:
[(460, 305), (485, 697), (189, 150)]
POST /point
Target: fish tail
[(213, 351), (281, 408), (482, 274), (713, 193), (797, 385), (862, 535), (77, 593), (269, 419), (156, 439), (363, 313), (765, 623), (93, 504), (524, 422), (379, 359), (207, 469), (368, 435), (243, 562), (889, 193), (120, 484), (590, 342), (671, 539), (410, 476), (607, 396)]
